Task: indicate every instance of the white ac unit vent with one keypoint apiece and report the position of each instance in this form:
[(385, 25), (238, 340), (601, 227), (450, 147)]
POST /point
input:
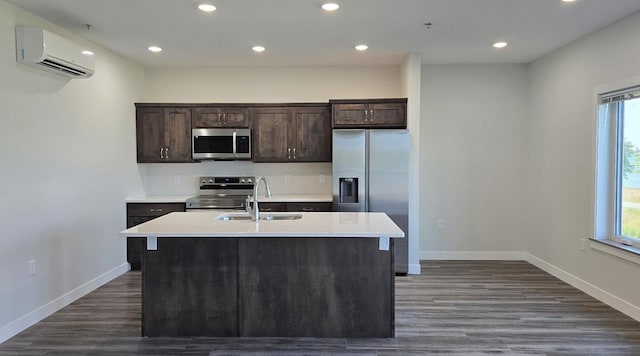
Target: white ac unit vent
[(42, 49)]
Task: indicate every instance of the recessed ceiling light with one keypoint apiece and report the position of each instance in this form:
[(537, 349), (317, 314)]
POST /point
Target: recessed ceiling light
[(330, 6), (362, 47), (155, 49), (568, 0), (500, 44), (87, 53), (207, 7), (258, 48)]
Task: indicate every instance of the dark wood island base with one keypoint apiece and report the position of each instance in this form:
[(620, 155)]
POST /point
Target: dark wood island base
[(276, 287)]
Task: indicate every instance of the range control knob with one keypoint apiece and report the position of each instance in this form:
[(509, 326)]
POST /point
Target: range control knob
[(241, 180), (249, 181), (210, 180)]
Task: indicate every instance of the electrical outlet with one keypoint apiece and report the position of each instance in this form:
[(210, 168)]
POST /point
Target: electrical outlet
[(32, 267), (440, 224), (322, 179)]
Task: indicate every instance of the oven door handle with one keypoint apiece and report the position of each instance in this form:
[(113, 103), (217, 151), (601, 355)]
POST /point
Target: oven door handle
[(235, 149)]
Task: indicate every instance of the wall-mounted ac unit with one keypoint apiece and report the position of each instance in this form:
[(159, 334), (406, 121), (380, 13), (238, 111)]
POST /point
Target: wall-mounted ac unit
[(45, 50)]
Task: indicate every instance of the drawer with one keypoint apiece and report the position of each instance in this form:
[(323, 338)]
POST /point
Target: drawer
[(309, 207), (271, 207), (153, 209)]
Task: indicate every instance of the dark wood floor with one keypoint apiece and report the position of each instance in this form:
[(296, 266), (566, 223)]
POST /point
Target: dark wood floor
[(453, 308)]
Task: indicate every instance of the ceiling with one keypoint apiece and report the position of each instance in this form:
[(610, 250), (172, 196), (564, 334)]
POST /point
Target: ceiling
[(299, 32)]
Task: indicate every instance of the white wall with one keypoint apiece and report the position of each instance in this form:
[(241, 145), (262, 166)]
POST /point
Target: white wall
[(260, 85), (68, 162), (560, 167), (411, 83), (472, 161)]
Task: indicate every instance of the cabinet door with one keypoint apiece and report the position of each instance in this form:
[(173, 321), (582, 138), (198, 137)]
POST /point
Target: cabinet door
[(150, 135), (221, 117), (235, 117), (370, 113), (177, 135), (207, 117), (388, 115), (350, 114), (313, 134), (272, 134)]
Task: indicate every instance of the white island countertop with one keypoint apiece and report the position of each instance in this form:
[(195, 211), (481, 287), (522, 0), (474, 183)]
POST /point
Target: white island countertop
[(204, 224)]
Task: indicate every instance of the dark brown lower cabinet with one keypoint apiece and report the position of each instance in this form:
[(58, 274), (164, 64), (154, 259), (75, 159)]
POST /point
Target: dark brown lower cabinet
[(295, 207), (138, 213), (276, 287)]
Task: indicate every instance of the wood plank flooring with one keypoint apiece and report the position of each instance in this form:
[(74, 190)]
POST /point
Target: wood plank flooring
[(453, 308)]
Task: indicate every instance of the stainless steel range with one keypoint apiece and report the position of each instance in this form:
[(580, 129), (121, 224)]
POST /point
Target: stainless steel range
[(228, 193)]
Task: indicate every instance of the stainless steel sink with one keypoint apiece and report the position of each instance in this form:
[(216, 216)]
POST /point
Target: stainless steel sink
[(281, 217), (229, 217), (267, 217)]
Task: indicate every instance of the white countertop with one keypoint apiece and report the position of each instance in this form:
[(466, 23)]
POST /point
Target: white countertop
[(159, 199), (204, 224), (284, 198)]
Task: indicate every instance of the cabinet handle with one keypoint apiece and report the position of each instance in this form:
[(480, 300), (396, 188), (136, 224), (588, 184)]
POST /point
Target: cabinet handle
[(294, 153), (267, 209), (289, 153), (366, 115), (166, 152), (219, 117), (156, 210), (234, 143), (224, 117), (307, 209), (371, 115), (161, 154)]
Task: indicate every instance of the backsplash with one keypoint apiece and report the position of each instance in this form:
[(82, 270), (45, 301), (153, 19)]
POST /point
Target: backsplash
[(283, 178)]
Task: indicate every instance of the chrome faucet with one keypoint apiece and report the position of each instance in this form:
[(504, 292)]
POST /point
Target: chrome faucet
[(255, 212)]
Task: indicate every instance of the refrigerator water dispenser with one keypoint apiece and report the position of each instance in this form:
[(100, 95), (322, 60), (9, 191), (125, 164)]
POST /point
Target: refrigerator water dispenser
[(349, 190)]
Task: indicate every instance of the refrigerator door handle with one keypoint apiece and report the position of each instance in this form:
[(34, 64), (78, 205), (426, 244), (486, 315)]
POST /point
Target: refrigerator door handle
[(367, 169)]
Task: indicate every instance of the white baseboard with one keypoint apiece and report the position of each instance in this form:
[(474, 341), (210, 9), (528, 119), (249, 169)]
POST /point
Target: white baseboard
[(15, 327), (414, 268), (598, 293), (472, 255)]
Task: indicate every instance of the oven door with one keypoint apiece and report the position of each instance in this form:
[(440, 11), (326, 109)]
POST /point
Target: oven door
[(221, 144)]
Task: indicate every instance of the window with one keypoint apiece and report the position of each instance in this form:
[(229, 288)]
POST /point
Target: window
[(617, 215)]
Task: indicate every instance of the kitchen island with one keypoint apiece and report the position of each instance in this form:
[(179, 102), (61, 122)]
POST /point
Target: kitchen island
[(322, 275)]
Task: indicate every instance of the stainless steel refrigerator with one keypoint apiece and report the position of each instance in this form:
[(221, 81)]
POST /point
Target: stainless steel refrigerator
[(371, 173)]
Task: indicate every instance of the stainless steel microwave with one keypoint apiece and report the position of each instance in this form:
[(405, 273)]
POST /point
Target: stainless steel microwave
[(221, 144)]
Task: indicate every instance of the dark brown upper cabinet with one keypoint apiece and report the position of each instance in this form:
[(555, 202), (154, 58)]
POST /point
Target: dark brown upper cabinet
[(204, 117), (374, 113), (292, 134), (163, 134)]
